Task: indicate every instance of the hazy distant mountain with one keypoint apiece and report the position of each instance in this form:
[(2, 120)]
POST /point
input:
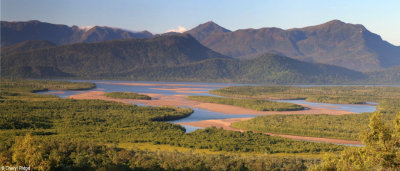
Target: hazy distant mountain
[(111, 57), (205, 30), (98, 34), (28, 45), (16, 32), (337, 43)]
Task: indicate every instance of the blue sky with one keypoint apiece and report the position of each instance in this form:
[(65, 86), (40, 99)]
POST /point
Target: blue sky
[(157, 16)]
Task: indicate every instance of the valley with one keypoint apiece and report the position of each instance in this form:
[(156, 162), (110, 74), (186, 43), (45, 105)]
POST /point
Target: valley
[(317, 97)]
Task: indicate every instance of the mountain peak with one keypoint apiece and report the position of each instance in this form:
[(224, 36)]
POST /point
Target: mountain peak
[(208, 23), (334, 22), (205, 30), (338, 23)]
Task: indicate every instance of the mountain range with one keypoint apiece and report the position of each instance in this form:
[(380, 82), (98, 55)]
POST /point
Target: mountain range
[(175, 57), (335, 43), (17, 32), (333, 52)]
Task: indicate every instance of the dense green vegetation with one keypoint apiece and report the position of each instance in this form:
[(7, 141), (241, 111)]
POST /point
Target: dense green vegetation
[(37, 125), (260, 105), (266, 68), (26, 46), (326, 94), (332, 126), (341, 127), (45, 153), (384, 76), (27, 87), (381, 151), (127, 95)]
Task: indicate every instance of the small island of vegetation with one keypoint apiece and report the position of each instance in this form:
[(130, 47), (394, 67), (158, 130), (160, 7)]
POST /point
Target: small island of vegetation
[(255, 104), (127, 95), (321, 94)]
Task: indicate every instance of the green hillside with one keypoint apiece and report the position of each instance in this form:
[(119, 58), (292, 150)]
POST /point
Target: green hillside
[(112, 57), (267, 68), (173, 57), (27, 46), (390, 75)]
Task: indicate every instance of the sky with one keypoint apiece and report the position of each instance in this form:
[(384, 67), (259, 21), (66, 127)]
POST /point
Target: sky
[(159, 16)]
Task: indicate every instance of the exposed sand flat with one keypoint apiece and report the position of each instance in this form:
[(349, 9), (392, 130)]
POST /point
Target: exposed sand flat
[(219, 123), (180, 100), (170, 85), (226, 124)]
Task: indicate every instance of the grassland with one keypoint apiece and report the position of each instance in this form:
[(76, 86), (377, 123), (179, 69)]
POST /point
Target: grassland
[(260, 105), (127, 95)]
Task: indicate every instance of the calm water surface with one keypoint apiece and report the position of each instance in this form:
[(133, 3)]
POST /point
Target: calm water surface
[(198, 114)]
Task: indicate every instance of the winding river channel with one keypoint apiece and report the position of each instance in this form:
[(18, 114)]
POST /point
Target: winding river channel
[(173, 89)]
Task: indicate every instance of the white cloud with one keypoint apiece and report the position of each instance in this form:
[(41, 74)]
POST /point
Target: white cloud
[(180, 29), (85, 28)]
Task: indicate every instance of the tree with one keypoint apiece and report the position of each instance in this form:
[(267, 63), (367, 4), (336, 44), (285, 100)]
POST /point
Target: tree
[(28, 152), (381, 151)]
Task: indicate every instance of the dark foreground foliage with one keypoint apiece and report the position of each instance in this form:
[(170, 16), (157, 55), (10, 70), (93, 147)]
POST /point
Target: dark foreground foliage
[(50, 154)]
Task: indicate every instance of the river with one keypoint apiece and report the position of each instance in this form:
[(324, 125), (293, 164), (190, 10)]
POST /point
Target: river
[(166, 88)]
